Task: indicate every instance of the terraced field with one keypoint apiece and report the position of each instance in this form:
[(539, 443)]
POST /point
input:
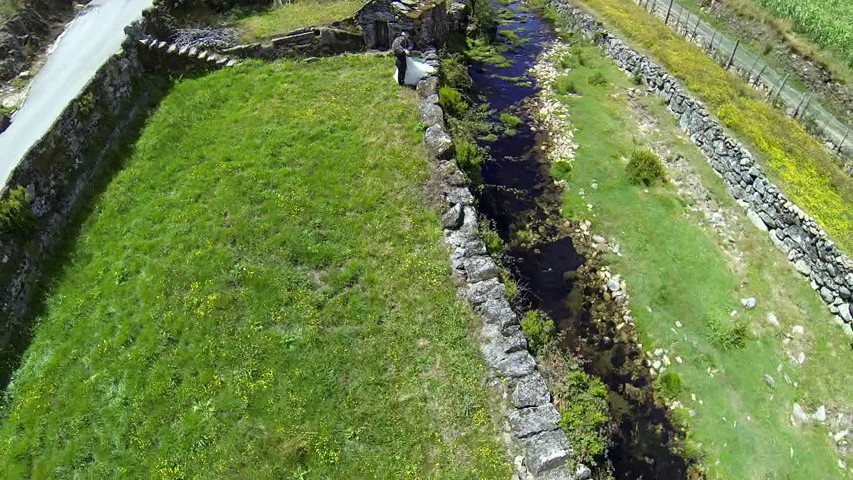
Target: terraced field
[(260, 292)]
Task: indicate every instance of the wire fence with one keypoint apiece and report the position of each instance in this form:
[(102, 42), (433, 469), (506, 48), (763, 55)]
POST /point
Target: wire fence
[(802, 105)]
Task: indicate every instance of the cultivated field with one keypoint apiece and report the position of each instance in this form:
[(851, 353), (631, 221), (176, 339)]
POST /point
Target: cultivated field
[(259, 293), (828, 22)]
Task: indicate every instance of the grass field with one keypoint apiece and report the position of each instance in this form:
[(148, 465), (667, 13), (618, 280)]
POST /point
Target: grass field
[(796, 161), (259, 293), (295, 15), (678, 274), (828, 22)]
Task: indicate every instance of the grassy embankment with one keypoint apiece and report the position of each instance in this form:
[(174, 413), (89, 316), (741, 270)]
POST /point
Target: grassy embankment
[(293, 16), (259, 293), (781, 31), (677, 271), (795, 160), (826, 22)]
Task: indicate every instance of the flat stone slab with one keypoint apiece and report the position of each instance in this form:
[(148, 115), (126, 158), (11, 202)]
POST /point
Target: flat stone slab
[(546, 451), (531, 391), (478, 293), (480, 268), (525, 422), (516, 364)]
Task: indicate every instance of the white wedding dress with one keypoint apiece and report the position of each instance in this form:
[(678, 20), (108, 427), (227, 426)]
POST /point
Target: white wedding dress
[(415, 71)]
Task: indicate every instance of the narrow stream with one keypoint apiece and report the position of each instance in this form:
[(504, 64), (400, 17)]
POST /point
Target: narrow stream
[(518, 194), (95, 34)]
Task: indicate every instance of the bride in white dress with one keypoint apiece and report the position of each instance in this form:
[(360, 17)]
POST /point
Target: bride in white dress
[(415, 71)]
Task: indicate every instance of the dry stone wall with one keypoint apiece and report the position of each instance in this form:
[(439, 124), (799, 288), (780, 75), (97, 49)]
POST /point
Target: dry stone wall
[(795, 233), (534, 434), (57, 171)]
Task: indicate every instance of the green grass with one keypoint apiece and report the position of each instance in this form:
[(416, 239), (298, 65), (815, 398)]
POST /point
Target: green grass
[(802, 167), (295, 15), (676, 271), (8, 7), (827, 22), (259, 293)]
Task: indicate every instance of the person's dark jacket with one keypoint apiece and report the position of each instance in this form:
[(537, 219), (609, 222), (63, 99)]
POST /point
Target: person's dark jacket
[(401, 45)]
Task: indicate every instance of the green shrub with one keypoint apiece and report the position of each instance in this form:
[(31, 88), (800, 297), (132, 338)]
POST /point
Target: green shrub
[(645, 168), (538, 328), (494, 243), (6, 111), (86, 104), (597, 78), (452, 101), (564, 84), (585, 415), (670, 384), (469, 156), (725, 332), (561, 170), (638, 78), (15, 213), (454, 73)]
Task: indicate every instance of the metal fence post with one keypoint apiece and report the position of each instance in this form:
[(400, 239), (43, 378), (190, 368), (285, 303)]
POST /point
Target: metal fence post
[(732, 58), (668, 10)]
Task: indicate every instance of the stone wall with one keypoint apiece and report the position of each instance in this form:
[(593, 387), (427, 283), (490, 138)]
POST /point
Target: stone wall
[(58, 171), (796, 234), (25, 33), (161, 56), (535, 439), (308, 42)]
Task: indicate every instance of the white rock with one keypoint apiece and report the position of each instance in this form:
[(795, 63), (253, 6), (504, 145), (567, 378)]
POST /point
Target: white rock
[(820, 414), (801, 358), (798, 330), (678, 324), (748, 302), (772, 320), (800, 415)]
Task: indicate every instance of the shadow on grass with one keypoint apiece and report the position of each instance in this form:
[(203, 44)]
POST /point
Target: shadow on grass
[(120, 142)]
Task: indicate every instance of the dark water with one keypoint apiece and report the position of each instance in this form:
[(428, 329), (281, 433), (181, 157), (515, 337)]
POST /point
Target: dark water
[(518, 194)]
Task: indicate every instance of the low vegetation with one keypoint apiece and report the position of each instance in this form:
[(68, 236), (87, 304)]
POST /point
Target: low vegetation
[(644, 167), (582, 402), (293, 16), (827, 22), (258, 293), (539, 330), (15, 214), (803, 168), (678, 269), (8, 7)]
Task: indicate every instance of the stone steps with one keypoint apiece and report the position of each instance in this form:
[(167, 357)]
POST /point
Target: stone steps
[(213, 59)]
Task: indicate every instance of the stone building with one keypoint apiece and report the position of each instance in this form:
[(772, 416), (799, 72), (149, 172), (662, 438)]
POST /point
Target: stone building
[(382, 20)]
